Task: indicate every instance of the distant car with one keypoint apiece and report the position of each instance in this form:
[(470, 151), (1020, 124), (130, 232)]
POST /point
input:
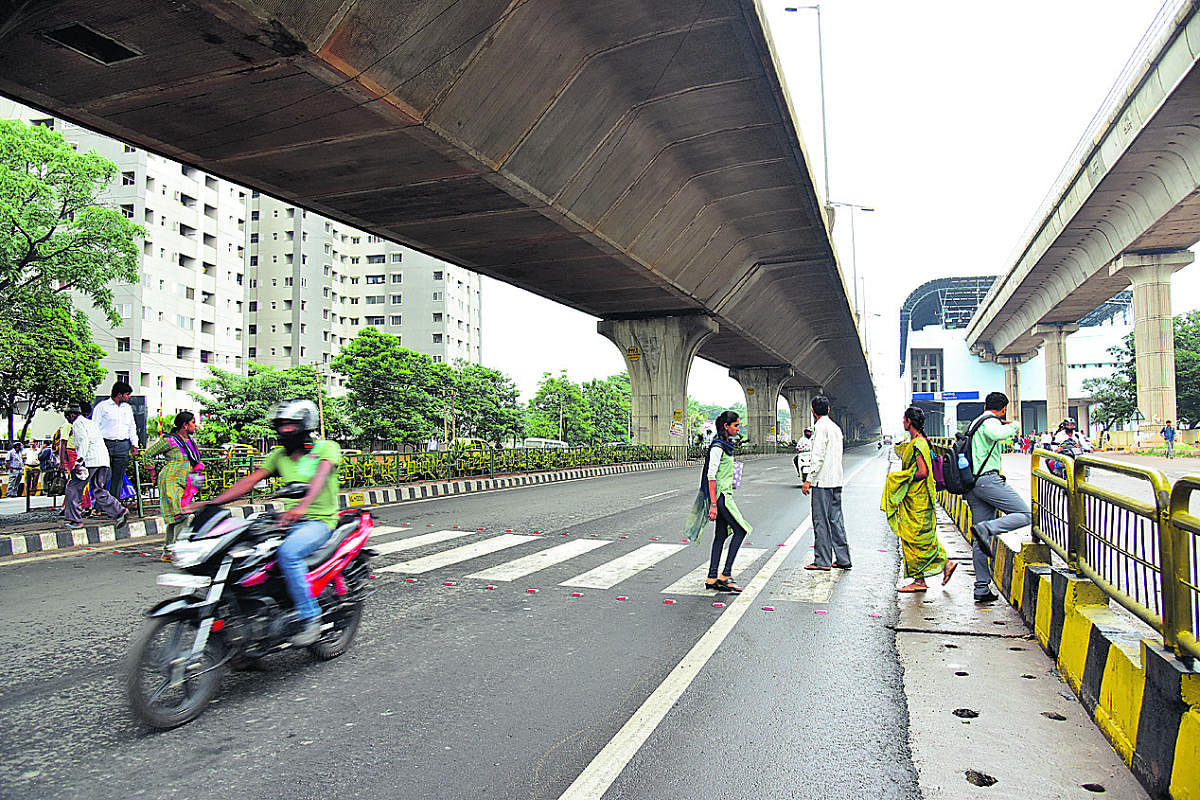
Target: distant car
[(887, 439), (536, 443)]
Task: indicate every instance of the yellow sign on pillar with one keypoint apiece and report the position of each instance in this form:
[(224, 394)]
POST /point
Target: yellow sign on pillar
[(678, 415), (633, 353), (749, 390)]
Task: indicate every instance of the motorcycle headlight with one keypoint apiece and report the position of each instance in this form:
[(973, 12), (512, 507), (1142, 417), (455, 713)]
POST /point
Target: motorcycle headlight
[(189, 554)]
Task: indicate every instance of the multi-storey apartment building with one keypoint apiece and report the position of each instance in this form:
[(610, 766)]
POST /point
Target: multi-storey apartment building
[(229, 276)]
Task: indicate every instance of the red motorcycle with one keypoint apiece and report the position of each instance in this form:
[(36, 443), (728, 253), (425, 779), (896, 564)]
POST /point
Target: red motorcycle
[(233, 607)]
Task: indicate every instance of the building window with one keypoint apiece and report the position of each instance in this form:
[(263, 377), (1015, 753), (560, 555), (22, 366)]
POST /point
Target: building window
[(397, 258), (437, 316), (44, 123), (437, 275), (373, 299), (374, 320), (127, 210), (252, 352), (372, 279), (397, 278), (926, 370), (253, 329), (396, 298), (395, 319), (125, 310), (375, 259), (437, 296), (123, 344), (185, 323), (437, 338), (123, 376), (127, 178)]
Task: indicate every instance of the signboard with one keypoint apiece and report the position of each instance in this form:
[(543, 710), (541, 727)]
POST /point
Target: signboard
[(958, 395), (938, 397), (356, 499), (633, 353), (677, 429), (749, 390), (678, 415)]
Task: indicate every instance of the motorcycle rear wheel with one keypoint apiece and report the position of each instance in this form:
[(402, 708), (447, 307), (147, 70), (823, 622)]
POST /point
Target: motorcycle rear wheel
[(153, 699), (336, 640)]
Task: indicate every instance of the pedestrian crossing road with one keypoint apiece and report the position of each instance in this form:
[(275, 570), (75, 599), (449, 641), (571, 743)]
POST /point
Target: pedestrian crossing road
[(590, 563)]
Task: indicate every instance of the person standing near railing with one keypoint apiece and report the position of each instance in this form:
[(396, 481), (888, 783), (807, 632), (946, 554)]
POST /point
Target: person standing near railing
[(1168, 434), (992, 492)]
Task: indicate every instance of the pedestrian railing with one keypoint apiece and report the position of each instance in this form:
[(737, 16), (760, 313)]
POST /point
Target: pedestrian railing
[(1050, 502), (1186, 563)]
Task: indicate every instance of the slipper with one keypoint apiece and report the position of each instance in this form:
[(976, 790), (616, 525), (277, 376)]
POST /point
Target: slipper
[(948, 572), (724, 585), (912, 587), (817, 566)]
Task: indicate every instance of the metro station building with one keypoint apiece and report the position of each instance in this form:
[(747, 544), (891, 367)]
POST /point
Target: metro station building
[(949, 383)]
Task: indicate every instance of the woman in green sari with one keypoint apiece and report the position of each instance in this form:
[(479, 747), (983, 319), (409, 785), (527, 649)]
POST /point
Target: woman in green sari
[(909, 500)]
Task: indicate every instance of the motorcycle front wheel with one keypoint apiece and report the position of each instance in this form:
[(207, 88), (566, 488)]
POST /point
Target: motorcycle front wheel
[(164, 690)]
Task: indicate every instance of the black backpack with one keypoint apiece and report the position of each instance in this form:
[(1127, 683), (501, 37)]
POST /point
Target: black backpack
[(961, 479)]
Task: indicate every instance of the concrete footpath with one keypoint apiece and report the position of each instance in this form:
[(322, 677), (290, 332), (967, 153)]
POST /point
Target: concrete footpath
[(60, 536)]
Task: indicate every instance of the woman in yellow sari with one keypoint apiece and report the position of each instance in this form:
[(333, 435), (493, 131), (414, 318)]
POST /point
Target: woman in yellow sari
[(909, 500)]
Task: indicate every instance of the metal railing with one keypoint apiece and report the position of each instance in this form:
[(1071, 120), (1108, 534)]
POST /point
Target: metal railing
[(1186, 563)]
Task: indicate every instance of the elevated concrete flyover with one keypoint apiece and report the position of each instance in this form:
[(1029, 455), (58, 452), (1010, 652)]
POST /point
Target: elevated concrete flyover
[(633, 159), (1124, 211)]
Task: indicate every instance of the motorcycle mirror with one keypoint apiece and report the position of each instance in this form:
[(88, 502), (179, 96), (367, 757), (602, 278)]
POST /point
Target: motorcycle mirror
[(292, 491)]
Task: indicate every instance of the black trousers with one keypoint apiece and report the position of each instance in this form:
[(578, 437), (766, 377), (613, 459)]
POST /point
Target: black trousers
[(725, 522)]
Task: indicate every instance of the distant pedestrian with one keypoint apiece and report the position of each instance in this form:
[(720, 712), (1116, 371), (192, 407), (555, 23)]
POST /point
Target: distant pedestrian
[(1168, 434), (90, 472), (803, 457), (175, 475), (910, 502), (114, 418), (15, 460), (715, 502), (825, 483), (33, 472), (992, 492)]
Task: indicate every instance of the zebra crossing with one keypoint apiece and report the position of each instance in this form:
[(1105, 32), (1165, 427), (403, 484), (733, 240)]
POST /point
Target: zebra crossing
[(470, 550)]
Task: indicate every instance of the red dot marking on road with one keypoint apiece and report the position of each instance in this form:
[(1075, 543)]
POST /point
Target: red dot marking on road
[(622, 597), (410, 580), (875, 616), (624, 537), (489, 586), (592, 535), (821, 611), (576, 594), (479, 529), (564, 533), (668, 602), (454, 526), (782, 544), (654, 538), (532, 591), (448, 583), (768, 608), (508, 530), (718, 605), (537, 531)]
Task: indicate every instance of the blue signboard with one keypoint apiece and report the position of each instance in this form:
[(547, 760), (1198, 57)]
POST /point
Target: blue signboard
[(935, 397), (919, 396), (960, 395)]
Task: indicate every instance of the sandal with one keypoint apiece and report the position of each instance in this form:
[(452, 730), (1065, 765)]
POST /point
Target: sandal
[(715, 585), (913, 587), (948, 572), (726, 585), (817, 566)]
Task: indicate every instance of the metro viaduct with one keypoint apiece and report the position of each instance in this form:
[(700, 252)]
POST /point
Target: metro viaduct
[(636, 160), (1126, 213)]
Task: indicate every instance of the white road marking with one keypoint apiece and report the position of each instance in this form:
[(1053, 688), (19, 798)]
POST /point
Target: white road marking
[(520, 567), (660, 494), (609, 575), (608, 764), (384, 530), (417, 541), (808, 586), (692, 583), (458, 554)]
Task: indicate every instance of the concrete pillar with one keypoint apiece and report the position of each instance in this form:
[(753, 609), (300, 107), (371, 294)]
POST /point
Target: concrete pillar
[(800, 404), (1085, 419), (1153, 330), (658, 353), (1012, 384), (761, 385), (1055, 353)]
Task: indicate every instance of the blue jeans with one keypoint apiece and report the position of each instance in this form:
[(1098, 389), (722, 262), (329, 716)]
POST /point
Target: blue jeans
[(304, 538)]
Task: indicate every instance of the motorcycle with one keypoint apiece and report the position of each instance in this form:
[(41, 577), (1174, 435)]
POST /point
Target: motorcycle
[(233, 606), (1069, 449)]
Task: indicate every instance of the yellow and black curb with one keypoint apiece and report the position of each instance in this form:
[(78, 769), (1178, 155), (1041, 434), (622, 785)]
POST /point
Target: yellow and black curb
[(1144, 699)]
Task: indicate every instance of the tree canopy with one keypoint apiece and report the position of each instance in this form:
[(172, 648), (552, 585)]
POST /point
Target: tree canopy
[(560, 400), (237, 408), (55, 237)]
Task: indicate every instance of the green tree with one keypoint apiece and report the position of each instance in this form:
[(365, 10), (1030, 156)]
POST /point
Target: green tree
[(47, 358), (609, 401), (1187, 367), (54, 235), (559, 411), (485, 403), (393, 392), (237, 408)]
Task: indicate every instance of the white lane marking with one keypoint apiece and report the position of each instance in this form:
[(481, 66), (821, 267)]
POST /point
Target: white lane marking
[(609, 575), (692, 583), (417, 541), (660, 494), (526, 565), (384, 530), (457, 554), (608, 764), (808, 586)]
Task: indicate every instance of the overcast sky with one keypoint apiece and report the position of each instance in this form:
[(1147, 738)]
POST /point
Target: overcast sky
[(951, 119)]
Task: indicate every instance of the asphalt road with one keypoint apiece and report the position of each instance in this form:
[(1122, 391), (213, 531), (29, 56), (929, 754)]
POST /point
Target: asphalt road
[(463, 692)]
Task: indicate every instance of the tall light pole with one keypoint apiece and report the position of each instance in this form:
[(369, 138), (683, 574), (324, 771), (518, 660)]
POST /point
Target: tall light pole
[(853, 251), (821, 73)]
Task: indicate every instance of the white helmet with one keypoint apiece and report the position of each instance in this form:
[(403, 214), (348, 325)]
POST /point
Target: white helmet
[(302, 412)]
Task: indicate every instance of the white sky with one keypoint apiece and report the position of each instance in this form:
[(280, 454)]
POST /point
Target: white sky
[(951, 119)]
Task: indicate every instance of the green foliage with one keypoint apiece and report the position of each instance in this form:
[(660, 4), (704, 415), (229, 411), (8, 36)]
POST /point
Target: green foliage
[(237, 409), (47, 357), (560, 400), (1117, 395), (609, 401), (393, 392), (1187, 367), (485, 404), (54, 236)]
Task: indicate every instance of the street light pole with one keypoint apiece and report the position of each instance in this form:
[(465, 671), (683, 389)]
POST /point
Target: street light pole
[(853, 251), (821, 74)]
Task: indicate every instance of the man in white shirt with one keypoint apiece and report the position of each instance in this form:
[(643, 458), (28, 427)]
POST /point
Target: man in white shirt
[(114, 418), (93, 474), (825, 482)]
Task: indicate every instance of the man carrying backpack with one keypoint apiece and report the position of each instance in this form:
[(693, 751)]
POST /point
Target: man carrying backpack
[(991, 492)]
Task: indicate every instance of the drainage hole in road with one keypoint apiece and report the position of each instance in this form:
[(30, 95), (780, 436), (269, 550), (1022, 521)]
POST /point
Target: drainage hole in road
[(998, 622), (1054, 715), (965, 713), (977, 778), (1018, 649), (1029, 677), (961, 674), (1094, 787), (949, 646)]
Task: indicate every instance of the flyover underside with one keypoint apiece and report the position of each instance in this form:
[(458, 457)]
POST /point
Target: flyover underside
[(1137, 192), (624, 158)]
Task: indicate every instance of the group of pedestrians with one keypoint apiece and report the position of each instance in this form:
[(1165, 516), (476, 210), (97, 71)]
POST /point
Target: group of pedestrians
[(26, 463), (909, 499)]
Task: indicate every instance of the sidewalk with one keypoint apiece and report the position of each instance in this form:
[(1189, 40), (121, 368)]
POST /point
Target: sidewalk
[(52, 534)]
